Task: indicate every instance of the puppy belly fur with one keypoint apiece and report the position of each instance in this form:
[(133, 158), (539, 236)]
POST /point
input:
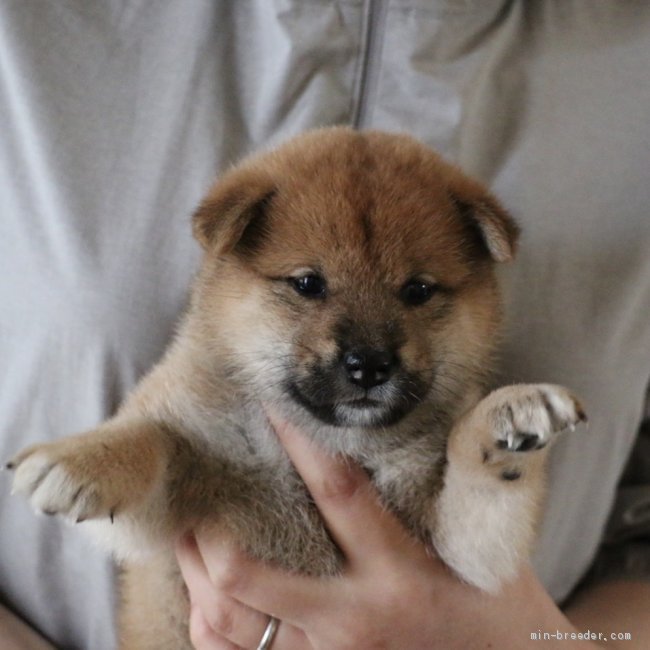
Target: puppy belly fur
[(155, 608), (348, 283)]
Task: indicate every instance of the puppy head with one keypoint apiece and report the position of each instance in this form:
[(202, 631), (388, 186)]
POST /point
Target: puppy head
[(352, 274)]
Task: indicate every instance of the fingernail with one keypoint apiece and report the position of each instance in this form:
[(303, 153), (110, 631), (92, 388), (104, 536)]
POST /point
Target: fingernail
[(277, 422)]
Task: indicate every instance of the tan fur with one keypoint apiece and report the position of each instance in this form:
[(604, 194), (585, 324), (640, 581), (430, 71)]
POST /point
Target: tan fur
[(370, 213)]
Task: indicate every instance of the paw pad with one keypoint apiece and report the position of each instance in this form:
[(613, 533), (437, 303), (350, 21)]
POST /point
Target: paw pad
[(529, 417)]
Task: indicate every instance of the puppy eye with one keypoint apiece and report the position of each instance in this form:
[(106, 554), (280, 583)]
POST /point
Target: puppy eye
[(416, 292), (309, 286)]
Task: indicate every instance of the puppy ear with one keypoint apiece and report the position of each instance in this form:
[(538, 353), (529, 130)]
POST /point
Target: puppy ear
[(232, 215), (495, 227)]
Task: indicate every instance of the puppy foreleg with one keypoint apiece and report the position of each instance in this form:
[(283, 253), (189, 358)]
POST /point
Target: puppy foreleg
[(98, 475), (487, 511)]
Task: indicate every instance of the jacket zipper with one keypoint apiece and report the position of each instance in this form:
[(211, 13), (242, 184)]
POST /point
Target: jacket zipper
[(371, 51)]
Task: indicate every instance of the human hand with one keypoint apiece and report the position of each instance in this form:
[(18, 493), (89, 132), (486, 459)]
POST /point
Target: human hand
[(392, 593), (17, 635)]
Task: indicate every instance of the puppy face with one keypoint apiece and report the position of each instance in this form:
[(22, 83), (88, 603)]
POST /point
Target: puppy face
[(351, 273)]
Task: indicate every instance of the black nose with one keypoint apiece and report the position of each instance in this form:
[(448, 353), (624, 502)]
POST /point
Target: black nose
[(368, 368)]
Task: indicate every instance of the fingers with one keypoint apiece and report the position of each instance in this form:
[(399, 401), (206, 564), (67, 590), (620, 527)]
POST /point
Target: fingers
[(203, 637), (349, 504), (213, 592), (215, 614), (266, 589)]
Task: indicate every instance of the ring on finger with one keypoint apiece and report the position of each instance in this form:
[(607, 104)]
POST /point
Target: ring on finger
[(269, 634)]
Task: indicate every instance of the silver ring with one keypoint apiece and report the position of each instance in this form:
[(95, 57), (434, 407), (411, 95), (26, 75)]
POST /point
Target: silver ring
[(269, 634)]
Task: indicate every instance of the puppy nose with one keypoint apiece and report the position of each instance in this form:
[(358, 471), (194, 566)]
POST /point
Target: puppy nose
[(368, 368)]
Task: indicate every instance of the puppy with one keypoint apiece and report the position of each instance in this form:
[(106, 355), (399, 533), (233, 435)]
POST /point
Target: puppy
[(347, 281)]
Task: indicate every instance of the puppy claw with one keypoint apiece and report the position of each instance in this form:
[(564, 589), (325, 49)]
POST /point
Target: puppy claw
[(523, 441)]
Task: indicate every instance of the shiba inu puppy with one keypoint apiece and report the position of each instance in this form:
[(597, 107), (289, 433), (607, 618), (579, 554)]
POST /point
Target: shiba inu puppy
[(347, 281)]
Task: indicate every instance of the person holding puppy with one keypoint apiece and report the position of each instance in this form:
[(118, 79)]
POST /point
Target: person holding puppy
[(527, 98), (392, 594)]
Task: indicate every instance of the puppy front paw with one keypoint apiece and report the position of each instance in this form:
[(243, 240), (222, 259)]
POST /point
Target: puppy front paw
[(58, 479), (527, 417), (91, 476), (507, 429), (487, 512)]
